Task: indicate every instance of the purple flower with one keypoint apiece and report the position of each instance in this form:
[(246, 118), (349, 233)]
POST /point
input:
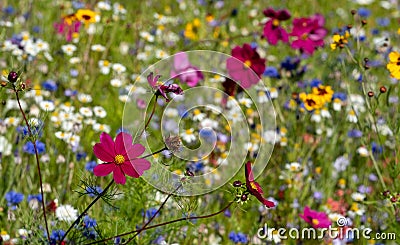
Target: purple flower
[(315, 219), (184, 71), (273, 31)]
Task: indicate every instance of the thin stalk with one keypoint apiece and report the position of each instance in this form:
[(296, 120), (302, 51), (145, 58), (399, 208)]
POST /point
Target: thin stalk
[(154, 215), (86, 209), (165, 223), (37, 160)]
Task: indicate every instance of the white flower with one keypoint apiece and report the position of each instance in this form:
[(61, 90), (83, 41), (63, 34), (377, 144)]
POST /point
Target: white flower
[(86, 111), (208, 123), (273, 92), (97, 48), (171, 112), (62, 135), (102, 5), (316, 116), (118, 68), (104, 66), (115, 82), (188, 135), (85, 98), (99, 111), (217, 78), (47, 105), (352, 117), (147, 36), (198, 116), (5, 146), (101, 127), (363, 151), (235, 116), (246, 102), (160, 54), (325, 113), (358, 197), (12, 121), (66, 213), (270, 136), (68, 49), (364, 2), (294, 166), (75, 60)]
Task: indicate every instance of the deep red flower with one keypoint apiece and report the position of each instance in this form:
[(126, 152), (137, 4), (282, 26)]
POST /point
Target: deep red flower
[(315, 219), (310, 33), (254, 188), (273, 31), (245, 66), (162, 88), (120, 157)]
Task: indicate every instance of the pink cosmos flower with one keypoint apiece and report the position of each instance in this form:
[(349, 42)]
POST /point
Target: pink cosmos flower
[(68, 26), (315, 219), (120, 157), (186, 73), (310, 33), (273, 31), (254, 188), (245, 66), (163, 89)]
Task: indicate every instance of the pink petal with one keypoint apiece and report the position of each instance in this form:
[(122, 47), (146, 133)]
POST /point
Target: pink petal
[(181, 61), (133, 151), (103, 169), (129, 170), (122, 142), (105, 149), (103, 153), (249, 172), (119, 176), (140, 165)]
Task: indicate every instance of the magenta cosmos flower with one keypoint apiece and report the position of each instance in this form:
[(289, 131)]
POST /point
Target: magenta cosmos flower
[(273, 30), (254, 188), (120, 157), (245, 66), (184, 71), (162, 88), (69, 26), (315, 219), (310, 33)]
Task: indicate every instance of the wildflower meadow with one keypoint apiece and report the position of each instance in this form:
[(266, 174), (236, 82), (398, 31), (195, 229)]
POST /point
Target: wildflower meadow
[(199, 122)]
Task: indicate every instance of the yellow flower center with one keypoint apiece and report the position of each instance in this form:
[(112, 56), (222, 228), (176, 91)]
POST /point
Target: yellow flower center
[(119, 159), (275, 22), (247, 64), (315, 221)]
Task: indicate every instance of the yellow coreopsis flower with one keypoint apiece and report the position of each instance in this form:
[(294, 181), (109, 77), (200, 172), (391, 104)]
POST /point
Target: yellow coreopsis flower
[(339, 40), (311, 101), (324, 92), (394, 64), (87, 16)]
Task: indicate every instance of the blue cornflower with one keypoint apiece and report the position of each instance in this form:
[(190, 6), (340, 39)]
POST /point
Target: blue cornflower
[(354, 133), (56, 236), (364, 12), (122, 129), (8, 10), (74, 72), (237, 237), (89, 222), (78, 4), (208, 134), (29, 148), (182, 111), (150, 213), (80, 155), (90, 166), (227, 213), (93, 191), (50, 85), (271, 71), (339, 95), (376, 149), (37, 197), (70, 92), (315, 83), (383, 21), (13, 199)]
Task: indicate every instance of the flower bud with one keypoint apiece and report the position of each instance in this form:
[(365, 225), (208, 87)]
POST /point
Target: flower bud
[(370, 94), (383, 89), (237, 183), (12, 77)]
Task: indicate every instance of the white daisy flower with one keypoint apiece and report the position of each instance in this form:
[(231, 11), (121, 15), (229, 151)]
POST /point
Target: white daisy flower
[(104, 66), (47, 105), (188, 135), (66, 213), (68, 49), (99, 112), (97, 48), (86, 111)]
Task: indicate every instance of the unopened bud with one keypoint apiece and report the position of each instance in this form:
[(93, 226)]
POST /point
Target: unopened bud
[(12, 77), (383, 89)]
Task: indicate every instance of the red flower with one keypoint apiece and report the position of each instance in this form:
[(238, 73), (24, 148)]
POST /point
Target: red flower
[(254, 188), (315, 218), (120, 157), (245, 66), (163, 89), (310, 33), (273, 31)]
